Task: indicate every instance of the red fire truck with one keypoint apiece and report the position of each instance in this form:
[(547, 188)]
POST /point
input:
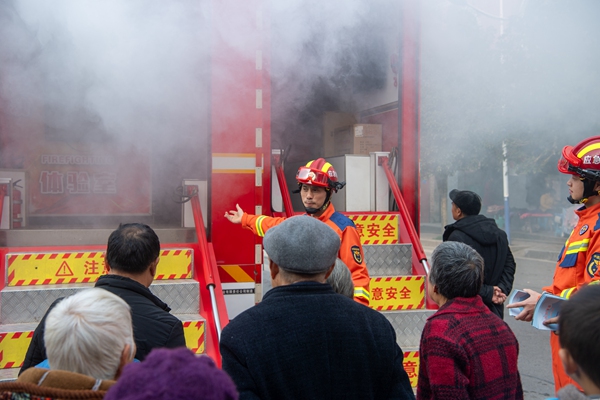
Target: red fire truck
[(75, 192)]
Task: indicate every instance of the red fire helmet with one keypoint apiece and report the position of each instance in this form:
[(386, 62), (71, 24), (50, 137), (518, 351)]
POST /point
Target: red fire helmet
[(579, 159), (317, 173)]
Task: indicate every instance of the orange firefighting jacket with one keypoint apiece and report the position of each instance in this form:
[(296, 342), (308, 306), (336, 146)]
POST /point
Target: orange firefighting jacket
[(580, 257), (351, 252)]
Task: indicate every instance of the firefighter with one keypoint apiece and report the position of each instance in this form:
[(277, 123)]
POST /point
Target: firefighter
[(317, 181), (580, 257)]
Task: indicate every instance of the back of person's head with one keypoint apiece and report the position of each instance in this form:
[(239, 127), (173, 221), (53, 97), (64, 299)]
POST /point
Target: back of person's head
[(302, 245), (132, 248), (456, 270), (173, 374), (468, 202), (579, 327), (90, 333), (341, 279)]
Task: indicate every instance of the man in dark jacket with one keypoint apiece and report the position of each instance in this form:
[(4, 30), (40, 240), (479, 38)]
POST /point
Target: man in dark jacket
[(131, 258), (304, 341), (482, 234)]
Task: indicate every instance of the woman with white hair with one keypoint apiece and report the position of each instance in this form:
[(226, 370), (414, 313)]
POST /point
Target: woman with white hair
[(89, 338)]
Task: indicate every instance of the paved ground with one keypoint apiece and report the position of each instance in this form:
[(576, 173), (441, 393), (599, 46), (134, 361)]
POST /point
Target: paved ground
[(535, 256)]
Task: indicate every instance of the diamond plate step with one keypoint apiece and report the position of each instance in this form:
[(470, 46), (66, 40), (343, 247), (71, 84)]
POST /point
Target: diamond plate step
[(28, 304), (408, 325), (183, 296), (388, 259), (23, 304)]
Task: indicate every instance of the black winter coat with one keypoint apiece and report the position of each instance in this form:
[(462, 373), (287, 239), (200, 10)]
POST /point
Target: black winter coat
[(304, 341), (482, 234), (153, 325)]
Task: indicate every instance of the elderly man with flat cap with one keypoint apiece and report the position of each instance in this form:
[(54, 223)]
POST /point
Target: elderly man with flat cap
[(482, 234), (304, 341)]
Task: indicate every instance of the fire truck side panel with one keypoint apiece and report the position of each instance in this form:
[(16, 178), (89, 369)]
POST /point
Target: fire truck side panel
[(240, 125)]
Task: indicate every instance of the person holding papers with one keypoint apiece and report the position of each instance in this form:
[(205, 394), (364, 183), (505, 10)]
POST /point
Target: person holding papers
[(580, 257)]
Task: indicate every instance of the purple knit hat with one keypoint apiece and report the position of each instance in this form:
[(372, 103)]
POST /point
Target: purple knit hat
[(173, 374)]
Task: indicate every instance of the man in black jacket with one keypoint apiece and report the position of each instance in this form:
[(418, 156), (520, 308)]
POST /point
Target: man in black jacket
[(482, 234), (131, 258), (304, 341)]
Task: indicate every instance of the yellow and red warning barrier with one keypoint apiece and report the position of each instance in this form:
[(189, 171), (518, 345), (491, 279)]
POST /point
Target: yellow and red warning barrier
[(376, 228), (13, 347), (194, 336), (27, 269), (397, 293), (411, 366)]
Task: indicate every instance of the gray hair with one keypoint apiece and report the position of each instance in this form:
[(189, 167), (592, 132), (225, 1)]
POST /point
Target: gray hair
[(87, 332), (341, 279), (457, 270)]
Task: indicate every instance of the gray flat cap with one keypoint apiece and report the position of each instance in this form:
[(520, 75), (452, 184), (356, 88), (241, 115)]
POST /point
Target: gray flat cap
[(303, 245)]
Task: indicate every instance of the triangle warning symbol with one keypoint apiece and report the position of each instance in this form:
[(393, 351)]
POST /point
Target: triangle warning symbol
[(64, 270)]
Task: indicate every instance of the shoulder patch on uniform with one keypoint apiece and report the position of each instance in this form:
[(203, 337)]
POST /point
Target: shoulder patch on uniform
[(583, 229), (357, 254), (341, 221), (592, 266)]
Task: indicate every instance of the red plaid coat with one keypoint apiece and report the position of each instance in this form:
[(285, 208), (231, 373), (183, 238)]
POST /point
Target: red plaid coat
[(468, 353)]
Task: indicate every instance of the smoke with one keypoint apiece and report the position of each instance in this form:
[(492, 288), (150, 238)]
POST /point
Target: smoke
[(139, 72), (530, 80)]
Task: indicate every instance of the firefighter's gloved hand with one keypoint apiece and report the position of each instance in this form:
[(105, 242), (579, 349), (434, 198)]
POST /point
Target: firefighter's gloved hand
[(235, 216)]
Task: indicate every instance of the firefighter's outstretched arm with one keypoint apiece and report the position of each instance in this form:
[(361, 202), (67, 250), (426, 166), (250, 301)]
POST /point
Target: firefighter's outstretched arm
[(235, 216)]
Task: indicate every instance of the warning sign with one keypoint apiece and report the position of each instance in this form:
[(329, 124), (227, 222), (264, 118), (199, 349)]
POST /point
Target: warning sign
[(376, 229), (411, 366), (26, 269), (64, 270), (397, 293)]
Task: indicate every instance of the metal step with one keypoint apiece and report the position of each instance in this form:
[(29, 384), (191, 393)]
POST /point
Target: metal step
[(183, 296), (408, 325), (25, 304), (388, 259)]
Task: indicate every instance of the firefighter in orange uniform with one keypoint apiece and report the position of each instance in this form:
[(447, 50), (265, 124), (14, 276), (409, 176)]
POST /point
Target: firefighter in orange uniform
[(317, 181), (580, 257)]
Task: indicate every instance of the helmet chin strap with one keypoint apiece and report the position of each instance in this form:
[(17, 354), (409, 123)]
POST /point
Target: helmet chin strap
[(588, 191)]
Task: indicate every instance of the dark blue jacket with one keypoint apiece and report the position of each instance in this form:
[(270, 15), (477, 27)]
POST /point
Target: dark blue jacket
[(304, 341)]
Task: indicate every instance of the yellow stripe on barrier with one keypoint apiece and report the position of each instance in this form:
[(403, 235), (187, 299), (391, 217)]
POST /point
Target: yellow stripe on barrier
[(376, 229), (13, 347), (397, 293), (29, 269), (194, 336), (411, 366), (174, 264)]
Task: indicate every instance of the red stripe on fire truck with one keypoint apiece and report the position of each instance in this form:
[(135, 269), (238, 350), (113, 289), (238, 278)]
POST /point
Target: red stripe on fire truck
[(28, 269), (376, 228), (397, 293)]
